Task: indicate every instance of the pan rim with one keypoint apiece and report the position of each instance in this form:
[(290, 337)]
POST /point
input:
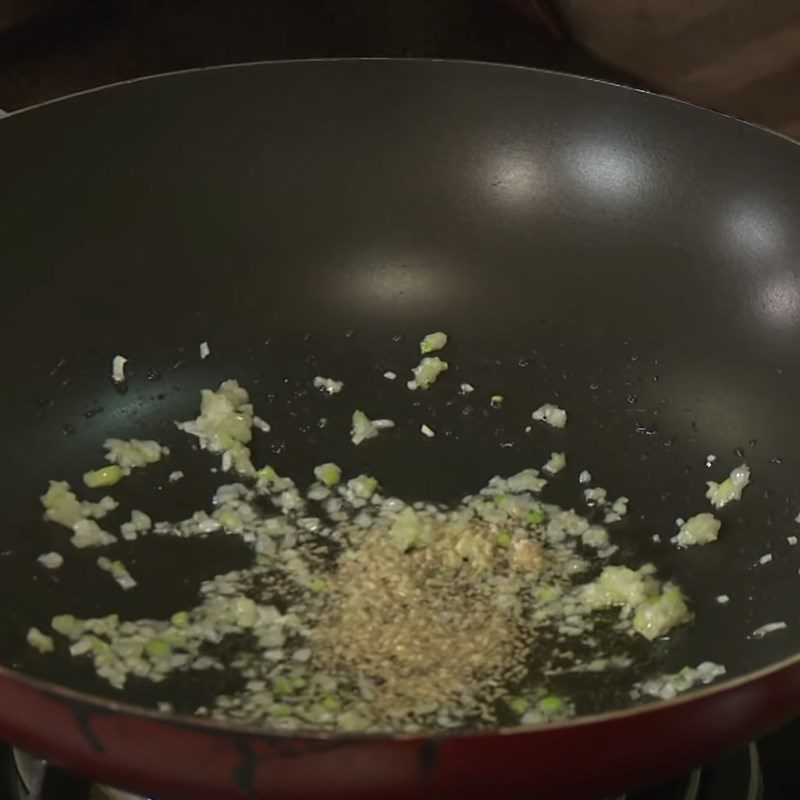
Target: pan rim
[(231, 727), (367, 60), (209, 725)]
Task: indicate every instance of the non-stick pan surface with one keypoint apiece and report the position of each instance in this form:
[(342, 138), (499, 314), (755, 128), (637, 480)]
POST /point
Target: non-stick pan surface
[(633, 258)]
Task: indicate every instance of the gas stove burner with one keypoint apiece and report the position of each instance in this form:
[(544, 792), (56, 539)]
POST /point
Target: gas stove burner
[(34, 780), (735, 777)]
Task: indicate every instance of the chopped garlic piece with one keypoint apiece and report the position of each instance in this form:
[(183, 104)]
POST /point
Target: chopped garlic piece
[(175, 475), (700, 529), (101, 508), (526, 480), (118, 369), (765, 559), (426, 372), (658, 615), (89, 534), (596, 496), (466, 388), (770, 627), (655, 611), (131, 454), (722, 599), (620, 506), (40, 641), (618, 586), (556, 463), (551, 414), (51, 560), (389, 375), (118, 571), (365, 428), (205, 350), (405, 530), (328, 385), (362, 487), (720, 494), (666, 687), (427, 431), (433, 341), (330, 474), (225, 425), (139, 523), (63, 507), (585, 476)]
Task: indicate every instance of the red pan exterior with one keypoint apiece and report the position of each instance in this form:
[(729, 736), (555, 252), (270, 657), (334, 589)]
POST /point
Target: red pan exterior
[(191, 760)]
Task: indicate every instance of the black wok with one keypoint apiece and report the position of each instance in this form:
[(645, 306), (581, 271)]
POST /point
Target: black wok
[(628, 256)]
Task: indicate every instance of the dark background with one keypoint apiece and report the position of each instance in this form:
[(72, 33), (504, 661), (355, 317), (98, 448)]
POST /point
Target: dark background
[(87, 43)]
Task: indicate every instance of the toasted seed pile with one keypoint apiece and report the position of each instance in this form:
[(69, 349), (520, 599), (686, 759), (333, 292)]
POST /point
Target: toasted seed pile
[(419, 626)]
